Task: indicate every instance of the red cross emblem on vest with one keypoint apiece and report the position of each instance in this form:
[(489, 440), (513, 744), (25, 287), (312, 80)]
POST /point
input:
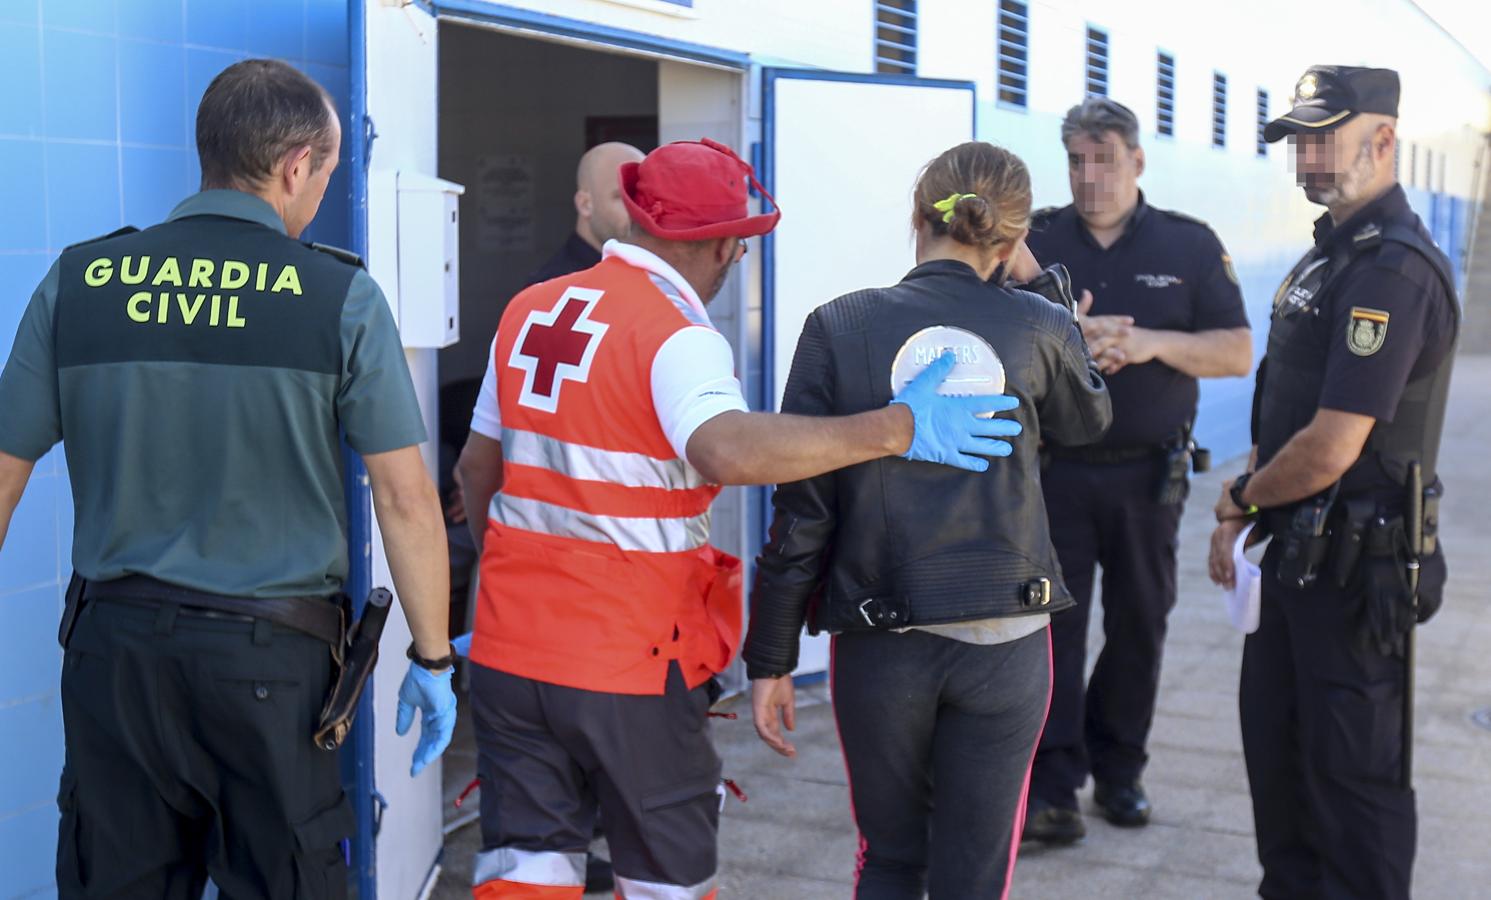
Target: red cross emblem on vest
[(557, 345)]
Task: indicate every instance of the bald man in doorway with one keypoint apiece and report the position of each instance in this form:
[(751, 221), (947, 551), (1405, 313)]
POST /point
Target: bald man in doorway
[(599, 213)]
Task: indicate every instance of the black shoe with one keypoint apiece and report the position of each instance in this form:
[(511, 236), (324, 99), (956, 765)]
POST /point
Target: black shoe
[(1054, 825), (598, 875), (1125, 805)]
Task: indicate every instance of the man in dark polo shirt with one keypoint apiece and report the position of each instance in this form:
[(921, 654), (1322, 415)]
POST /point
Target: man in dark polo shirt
[(201, 374), (599, 213), (1160, 308)]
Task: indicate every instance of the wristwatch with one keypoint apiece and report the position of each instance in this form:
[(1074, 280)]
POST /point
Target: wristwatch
[(434, 665), (1236, 492)]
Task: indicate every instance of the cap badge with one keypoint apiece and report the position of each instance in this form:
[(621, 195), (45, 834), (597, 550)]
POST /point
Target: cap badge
[(1307, 88)]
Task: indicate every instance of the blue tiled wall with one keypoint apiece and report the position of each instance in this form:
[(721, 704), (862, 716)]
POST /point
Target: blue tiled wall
[(96, 131)]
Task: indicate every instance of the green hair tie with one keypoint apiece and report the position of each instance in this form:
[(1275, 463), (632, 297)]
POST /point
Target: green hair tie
[(946, 206)]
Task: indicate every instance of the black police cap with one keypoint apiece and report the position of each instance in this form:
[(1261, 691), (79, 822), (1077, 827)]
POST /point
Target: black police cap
[(1328, 97)]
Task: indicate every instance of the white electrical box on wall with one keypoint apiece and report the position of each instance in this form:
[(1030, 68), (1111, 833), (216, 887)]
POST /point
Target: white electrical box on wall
[(413, 245)]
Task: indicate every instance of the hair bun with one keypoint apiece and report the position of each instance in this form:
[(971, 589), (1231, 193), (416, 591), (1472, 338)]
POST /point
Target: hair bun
[(972, 221), (976, 193)]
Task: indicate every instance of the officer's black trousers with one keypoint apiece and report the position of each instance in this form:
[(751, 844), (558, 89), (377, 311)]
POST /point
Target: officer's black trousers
[(1322, 735), (938, 736), (189, 754), (1105, 514)]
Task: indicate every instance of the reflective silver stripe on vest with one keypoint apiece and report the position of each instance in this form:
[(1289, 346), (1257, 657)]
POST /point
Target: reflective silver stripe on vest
[(631, 889), (530, 867), (528, 448), (645, 535)]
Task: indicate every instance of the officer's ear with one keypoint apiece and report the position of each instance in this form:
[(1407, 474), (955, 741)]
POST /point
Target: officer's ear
[(297, 169), (1385, 140), (584, 204), (1138, 161)]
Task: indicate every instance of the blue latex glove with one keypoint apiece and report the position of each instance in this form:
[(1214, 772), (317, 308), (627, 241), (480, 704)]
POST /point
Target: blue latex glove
[(948, 429), (463, 645), (431, 693)]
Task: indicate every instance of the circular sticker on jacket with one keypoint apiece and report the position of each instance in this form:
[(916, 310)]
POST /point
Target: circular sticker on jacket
[(978, 372)]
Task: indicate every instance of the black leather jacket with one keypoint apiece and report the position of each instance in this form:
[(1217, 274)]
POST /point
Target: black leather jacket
[(893, 543)]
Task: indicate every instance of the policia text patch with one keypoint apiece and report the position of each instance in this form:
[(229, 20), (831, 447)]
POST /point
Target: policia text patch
[(1367, 331)]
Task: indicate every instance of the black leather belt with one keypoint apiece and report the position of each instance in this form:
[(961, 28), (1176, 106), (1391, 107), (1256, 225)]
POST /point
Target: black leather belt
[(1104, 455), (319, 617)]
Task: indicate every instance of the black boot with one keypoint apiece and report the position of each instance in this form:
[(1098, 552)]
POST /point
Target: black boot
[(598, 875), (1053, 825), (1125, 805)]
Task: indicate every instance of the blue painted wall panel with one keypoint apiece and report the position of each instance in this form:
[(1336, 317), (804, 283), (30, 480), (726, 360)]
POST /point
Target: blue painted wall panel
[(20, 72), (97, 130), (19, 275), (78, 93), (153, 106), (30, 661), (20, 12), (24, 225), (27, 847), (160, 22), (80, 15), (87, 175), (28, 560)]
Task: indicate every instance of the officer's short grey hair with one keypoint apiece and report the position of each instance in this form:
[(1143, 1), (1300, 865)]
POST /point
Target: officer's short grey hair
[(254, 112), (1096, 116)]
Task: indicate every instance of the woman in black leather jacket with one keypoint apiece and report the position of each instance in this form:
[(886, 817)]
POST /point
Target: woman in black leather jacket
[(936, 584)]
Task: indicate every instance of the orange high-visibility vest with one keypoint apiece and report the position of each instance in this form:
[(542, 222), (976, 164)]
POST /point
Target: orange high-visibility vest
[(596, 571)]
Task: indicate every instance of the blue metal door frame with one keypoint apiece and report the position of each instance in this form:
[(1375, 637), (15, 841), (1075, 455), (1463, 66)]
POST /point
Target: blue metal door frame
[(357, 755), (545, 24)]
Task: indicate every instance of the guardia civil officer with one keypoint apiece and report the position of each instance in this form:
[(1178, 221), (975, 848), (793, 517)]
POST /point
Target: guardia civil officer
[(1161, 308), (1347, 417), (198, 374)]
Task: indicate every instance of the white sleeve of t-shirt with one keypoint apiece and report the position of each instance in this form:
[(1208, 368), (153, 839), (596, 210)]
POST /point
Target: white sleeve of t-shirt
[(486, 417), (693, 380)]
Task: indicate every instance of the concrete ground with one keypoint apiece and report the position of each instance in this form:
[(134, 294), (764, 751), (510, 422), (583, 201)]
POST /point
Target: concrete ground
[(794, 839)]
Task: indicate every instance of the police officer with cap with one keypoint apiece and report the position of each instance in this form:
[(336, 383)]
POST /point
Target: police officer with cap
[(200, 374), (1346, 423)]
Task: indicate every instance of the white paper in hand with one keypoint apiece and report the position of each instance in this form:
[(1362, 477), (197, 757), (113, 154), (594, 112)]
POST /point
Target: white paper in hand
[(1246, 595)]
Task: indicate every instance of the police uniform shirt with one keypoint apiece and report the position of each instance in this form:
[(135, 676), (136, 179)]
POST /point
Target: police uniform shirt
[(1385, 321), (198, 372), (575, 256), (1169, 272)]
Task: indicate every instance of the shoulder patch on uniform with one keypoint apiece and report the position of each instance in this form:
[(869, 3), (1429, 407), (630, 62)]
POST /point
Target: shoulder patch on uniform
[(1044, 215), (120, 232), (1227, 268), (346, 256), (1366, 331)]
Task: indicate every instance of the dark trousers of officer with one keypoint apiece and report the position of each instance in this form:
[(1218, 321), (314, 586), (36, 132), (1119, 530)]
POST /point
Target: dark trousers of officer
[(189, 754), (551, 759), (1322, 734), (1105, 514)]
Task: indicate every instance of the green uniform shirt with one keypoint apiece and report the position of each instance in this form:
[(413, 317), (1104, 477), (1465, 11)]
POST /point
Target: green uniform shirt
[(198, 374)]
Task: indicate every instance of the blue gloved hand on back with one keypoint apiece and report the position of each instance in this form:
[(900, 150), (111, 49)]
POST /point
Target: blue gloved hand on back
[(948, 430), (462, 645), (430, 693)]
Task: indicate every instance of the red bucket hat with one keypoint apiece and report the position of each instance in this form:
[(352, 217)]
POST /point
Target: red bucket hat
[(694, 191)]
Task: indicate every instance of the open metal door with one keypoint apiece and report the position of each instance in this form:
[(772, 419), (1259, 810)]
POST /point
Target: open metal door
[(841, 155)]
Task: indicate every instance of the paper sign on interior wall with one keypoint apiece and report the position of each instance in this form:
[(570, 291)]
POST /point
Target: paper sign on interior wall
[(504, 203)]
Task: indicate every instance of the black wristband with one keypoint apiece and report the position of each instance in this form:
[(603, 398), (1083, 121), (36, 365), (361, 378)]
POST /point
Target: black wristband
[(434, 665), (1236, 492)]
